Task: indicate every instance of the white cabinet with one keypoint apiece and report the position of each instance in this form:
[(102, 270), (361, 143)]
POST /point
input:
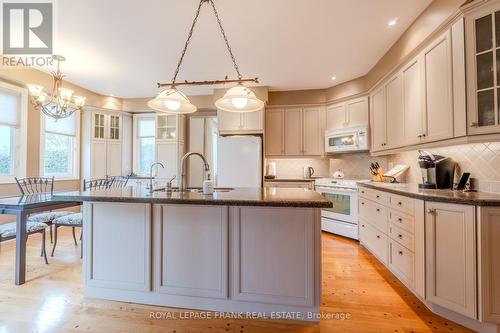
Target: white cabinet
[(103, 152), (169, 127), (421, 103), (275, 132), (483, 70), (378, 119), (438, 115), (412, 104), (350, 113), (169, 146), (294, 131), (489, 264), (450, 235), (394, 111), (240, 122), (169, 154)]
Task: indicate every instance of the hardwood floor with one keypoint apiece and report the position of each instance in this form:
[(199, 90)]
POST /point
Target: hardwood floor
[(355, 286)]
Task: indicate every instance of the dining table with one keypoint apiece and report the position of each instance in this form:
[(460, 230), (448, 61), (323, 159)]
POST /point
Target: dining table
[(22, 207)]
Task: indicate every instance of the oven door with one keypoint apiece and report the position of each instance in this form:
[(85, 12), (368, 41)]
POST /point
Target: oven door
[(341, 142), (345, 206)]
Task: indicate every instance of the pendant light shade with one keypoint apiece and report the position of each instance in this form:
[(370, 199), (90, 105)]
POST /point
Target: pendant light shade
[(239, 99), (172, 101)]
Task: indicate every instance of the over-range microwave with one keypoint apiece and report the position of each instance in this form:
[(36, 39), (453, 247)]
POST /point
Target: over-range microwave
[(346, 139)]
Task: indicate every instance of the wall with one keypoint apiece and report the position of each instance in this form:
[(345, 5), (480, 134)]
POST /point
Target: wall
[(22, 76), (481, 160)]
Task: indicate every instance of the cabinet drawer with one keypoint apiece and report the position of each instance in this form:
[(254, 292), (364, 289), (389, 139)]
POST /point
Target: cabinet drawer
[(374, 240), (373, 213), (401, 262), (402, 236), (374, 195), (401, 203), (402, 220)]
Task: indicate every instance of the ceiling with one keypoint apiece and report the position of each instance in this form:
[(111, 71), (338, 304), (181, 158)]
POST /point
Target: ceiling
[(122, 48)]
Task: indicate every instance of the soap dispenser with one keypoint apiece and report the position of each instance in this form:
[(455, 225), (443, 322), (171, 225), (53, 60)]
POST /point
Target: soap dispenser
[(208, 186)]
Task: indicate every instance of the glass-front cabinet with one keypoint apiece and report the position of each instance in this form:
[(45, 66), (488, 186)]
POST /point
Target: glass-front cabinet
[(106, 127), (169, 127), (483, 69)]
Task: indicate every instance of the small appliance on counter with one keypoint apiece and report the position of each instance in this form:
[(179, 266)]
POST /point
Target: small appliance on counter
[(308, 172), (270, 170), (338, 174), (438, 172)]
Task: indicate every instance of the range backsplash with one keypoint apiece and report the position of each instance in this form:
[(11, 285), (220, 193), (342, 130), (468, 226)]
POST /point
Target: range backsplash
[(293, 168), (355, 165), (481, 160)]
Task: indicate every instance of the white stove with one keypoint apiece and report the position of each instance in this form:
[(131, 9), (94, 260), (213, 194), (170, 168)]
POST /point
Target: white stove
[(342, 218)]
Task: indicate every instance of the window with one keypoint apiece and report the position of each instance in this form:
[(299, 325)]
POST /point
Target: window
[(13, 110), (144, 152), (60, 143)]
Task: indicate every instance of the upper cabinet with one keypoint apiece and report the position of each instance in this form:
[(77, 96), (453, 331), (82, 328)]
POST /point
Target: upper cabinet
[(240, 122), (350, 113), (422, 103), (294, 131), (483, 69), (169, 127)]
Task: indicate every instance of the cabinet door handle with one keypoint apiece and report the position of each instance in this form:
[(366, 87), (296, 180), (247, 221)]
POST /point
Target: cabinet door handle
[(400, 236), (363, 192), (378, 209), (362, 203), (424, 135), (400, 253), (378, 196), (400, 220), (363, 225), (474, 124), (419, 136), (431, 211), (378, 236), (400, 203)]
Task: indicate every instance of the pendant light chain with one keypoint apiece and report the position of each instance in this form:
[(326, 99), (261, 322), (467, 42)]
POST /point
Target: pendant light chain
[(191, 34), (187, 41), (225, 39)]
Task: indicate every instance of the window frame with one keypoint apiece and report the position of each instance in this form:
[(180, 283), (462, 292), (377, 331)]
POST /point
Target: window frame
[(20, 142), (75, 159), (135, 143)]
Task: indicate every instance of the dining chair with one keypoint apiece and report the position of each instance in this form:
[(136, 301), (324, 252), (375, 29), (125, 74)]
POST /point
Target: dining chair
[(8, 232), (75, 220), (37, 185)]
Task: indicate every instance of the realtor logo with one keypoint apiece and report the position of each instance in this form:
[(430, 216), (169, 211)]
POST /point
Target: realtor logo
[(27, 28)]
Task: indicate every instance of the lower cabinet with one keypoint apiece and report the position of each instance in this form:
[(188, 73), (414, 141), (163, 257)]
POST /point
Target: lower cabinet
[(489, 263), (450, 234)]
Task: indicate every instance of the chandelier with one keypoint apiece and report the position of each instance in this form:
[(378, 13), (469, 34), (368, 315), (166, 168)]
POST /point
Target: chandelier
[(237, 99), (61, 103)]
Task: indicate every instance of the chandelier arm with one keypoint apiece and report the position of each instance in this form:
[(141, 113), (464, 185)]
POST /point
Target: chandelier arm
[(187, 41), (225, 39)]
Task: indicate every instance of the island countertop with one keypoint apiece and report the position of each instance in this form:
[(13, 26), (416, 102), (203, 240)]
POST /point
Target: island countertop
[(451, 196), (270, 197)]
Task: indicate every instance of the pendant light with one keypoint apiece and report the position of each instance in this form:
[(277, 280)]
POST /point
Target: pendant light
[(236, 99), (239, 99)]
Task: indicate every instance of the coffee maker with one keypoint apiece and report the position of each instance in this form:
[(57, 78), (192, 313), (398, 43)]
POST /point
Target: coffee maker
[(438, 172)]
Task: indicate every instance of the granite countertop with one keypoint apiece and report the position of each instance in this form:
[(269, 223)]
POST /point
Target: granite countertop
[(291, 180), (270, 197), (451, 196)]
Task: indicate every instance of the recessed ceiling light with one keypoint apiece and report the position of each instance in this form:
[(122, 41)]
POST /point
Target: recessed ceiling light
[(334, 78), (393, 22)]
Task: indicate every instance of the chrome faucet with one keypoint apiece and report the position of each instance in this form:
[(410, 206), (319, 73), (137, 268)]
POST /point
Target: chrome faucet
[(151, 175), (182, 186)]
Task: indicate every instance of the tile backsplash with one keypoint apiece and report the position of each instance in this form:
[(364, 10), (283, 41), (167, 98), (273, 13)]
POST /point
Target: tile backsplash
[(482, 160), (292, 168), (355, 165)]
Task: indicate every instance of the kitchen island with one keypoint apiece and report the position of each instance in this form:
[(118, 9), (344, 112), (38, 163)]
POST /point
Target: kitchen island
[(239, 250)]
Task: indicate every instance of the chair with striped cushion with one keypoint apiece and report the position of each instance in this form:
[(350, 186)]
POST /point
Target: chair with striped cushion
[(33, 185), (8, 232)]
